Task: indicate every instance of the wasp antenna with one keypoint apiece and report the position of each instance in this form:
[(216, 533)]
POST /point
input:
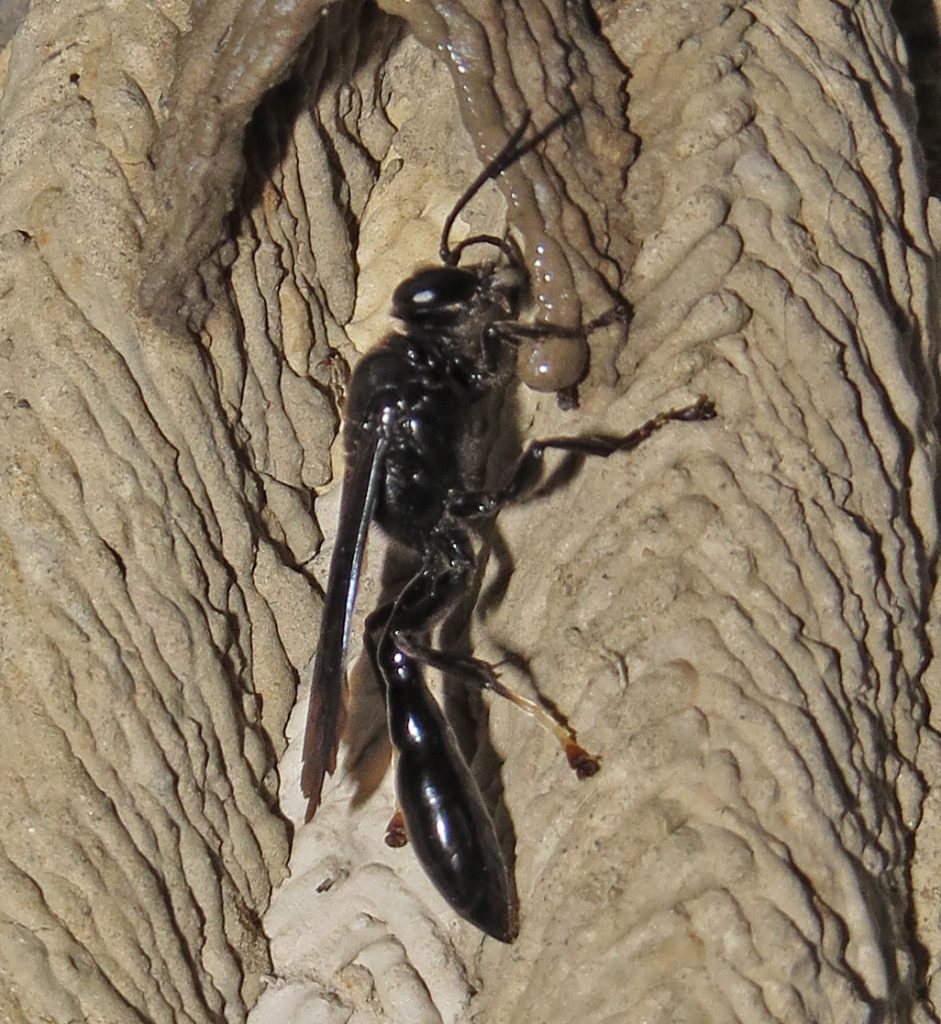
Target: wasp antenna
[(506, 247), (507, 155)]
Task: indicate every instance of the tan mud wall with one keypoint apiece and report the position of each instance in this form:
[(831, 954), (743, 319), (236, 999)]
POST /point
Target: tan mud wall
[(738, 617)]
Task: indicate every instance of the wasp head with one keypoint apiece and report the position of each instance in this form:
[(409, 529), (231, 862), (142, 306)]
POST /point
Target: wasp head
[(452, 297)]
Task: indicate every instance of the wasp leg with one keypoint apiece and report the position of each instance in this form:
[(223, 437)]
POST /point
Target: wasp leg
[(395, 830), (424, 599), (481, 504), (485, 676), (511, 331)]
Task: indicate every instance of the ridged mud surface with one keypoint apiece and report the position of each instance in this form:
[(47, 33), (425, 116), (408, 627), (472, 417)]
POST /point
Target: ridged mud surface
[(738, 617)]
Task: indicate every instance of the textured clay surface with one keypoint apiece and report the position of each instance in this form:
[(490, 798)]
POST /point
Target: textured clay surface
[(739, 617), (144, 679)]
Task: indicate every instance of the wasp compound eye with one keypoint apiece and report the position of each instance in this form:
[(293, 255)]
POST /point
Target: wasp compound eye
[(435, 295)]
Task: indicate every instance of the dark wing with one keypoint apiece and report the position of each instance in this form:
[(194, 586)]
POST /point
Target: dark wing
[(362, 480)]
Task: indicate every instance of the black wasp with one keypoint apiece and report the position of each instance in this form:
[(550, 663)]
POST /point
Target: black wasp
[(407, 429)]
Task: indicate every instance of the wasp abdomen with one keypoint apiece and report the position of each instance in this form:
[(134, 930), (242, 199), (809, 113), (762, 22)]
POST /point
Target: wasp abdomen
[(446, 821)]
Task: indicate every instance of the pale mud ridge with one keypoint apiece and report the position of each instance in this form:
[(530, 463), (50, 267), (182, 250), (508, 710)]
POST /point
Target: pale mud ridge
[(734, 616)]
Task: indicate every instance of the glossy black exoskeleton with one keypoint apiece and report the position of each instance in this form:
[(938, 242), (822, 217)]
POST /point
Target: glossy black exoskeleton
[(407, 420)]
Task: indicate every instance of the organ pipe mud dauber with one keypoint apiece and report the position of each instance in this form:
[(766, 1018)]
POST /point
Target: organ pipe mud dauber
[(407, 431)]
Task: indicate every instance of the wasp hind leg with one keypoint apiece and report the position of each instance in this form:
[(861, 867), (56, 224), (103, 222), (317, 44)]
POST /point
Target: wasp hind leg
[(485, 676)]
